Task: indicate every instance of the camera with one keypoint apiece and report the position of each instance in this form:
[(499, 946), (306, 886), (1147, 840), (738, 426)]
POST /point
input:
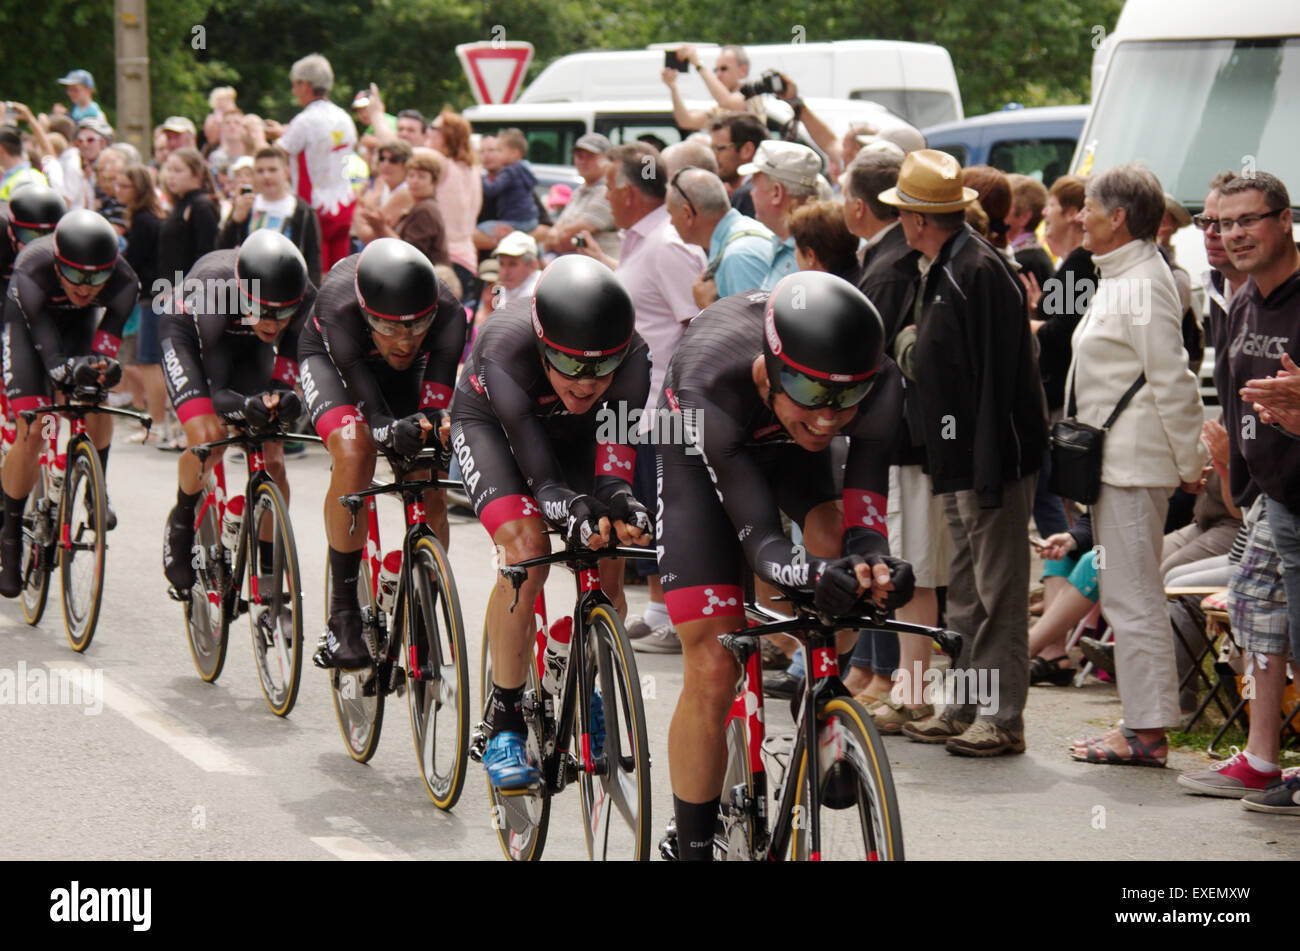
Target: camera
[(769, 82), (673, 61), (579, 242)]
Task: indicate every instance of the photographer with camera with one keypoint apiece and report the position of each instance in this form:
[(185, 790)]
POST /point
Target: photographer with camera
[(270, 204), (725, 81)]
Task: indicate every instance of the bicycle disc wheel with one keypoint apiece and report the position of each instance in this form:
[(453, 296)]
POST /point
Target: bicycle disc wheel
[(616, 794), (859, 808), (734, 841), (521, 818), (434, 637), (358, 701), (81, 524), (38, 553), (276, 622), (207, 625)]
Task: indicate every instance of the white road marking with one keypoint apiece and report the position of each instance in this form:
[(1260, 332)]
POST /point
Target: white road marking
[(349, 849)]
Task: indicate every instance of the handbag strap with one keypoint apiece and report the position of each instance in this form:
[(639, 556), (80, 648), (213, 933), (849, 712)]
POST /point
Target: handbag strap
[(1123, 400)]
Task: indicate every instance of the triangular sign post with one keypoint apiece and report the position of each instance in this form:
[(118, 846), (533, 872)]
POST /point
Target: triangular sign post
[(495, 68)]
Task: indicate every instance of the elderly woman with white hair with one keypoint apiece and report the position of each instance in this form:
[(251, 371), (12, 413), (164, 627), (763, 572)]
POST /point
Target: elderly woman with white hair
[(1132, 328)]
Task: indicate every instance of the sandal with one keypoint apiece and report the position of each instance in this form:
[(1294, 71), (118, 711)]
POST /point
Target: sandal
[(1044, 670), (1140, 754)]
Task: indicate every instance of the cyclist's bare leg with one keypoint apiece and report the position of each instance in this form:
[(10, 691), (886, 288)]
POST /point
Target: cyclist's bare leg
[(23, 459), (510, 634), (696, 749), (611, 582), (190, 472), (99, 427), (353, 455), (274, 455)]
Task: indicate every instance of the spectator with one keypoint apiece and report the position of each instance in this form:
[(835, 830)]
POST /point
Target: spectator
[(460, 197), (74, 189), (689, 153), (735, 137), (1070, 594), (983, 422), (190, 228), (93, 136), (1131, 328), (107, 168), (739, 248), (180, 134), (1028, 199), (234, 142), (588, 208), (221, 100), (388, 190), (1222, 280), (379, 126), (46, 152), (413, 127), (243, 176), (254, 134), (518, 269), (81, 91), (17, 171), (1176, 218), (143, 378), (490, 161), (785, 177), (1255, 377), (993, 192), (319, 141), (421, 226), (272, 205), (511, 190), (657, 267), (723, 81), (822, 242)]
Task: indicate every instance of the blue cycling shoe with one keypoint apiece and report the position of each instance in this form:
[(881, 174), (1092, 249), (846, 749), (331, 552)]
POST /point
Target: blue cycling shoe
[(506, 760)]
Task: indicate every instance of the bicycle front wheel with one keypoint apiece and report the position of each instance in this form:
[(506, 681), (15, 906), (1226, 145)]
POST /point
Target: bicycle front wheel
[(520, 818), (207, 625), (734, 840), (81, 528), (38, 553), (859, 807), (358, 701), (612, 735), (275, 614), (437, 685)]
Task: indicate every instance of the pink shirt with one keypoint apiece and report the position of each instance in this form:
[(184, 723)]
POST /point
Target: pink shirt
[(460, 198), (658, 268)]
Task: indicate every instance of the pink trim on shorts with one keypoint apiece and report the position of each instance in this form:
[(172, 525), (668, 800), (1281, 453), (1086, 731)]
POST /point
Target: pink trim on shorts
[(705, 601), (506, 509), (198, 406), (337, 418)]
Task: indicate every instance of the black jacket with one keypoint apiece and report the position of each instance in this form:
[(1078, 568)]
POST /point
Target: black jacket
[(187, 233), (304, 232), (1065, 299), (983, 414)]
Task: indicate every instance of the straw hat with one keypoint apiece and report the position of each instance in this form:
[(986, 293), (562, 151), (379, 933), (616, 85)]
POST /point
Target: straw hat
[(930, 183)]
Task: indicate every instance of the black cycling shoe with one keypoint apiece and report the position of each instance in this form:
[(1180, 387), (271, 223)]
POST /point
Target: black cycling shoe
[(781, 684), (110, 517), (178, 543), (342, 645), (11, 563)]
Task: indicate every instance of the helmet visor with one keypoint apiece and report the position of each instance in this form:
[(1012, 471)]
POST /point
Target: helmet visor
[(24, 235), (574, 365), (260, 310), (76, 275), (399, 328), (811, 393)]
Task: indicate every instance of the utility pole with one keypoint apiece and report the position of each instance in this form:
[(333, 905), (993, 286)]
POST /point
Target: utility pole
[(131, 39)]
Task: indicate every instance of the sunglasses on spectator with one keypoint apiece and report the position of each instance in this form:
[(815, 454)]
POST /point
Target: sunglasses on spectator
[(390, 160), (75, 275), (672, 183), (1224, 225), (722, 148)]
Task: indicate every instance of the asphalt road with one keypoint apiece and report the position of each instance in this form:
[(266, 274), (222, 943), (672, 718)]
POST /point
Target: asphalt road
[(171, 767)]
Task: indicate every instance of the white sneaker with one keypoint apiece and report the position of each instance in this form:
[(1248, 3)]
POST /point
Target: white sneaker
[(662, 640)]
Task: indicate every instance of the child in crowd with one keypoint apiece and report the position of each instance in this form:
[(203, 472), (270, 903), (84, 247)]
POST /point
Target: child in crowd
[(511, 188)]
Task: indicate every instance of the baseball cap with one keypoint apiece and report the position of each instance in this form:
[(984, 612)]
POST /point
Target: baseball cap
[(178, 124), (905, 137), (489, 269), (244, 161), (516, 244), (361, 99), (558, 196), (97, 125), (786, 162), (78, 76), (594, 142)]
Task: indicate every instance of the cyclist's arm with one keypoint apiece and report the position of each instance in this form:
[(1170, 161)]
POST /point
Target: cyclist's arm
[(614, 459), (873, 436), (120, 299), (31, 300), (446, 344), (362, 387), (284, 375), (217, 366)]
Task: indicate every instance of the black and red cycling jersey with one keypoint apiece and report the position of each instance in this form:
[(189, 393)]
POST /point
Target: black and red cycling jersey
[(725, 482), (211, 357), (519, 448), (55, 329), (346, 379)]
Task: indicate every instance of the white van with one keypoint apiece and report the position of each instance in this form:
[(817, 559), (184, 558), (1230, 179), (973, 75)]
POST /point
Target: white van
[(1190, 92), (912, 80)]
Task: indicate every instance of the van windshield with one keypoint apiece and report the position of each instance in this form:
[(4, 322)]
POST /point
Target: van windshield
[(1190, 109)]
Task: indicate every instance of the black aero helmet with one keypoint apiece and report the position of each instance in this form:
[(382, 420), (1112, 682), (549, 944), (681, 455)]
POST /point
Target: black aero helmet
[(396, 287), (272, 276), (34, 210), (85, 247), (823, 340), (583, 317)]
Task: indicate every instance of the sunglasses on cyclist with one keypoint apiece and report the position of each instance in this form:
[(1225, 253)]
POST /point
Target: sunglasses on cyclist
[(398, 328), (24, 235), (259, 310), (576, 365), (76, 275), (812, 393)]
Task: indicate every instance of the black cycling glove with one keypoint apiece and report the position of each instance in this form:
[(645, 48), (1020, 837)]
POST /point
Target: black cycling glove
[(837, 586), (84, 371), (585, 512), (625, 508), (406, 435), (256, 413), (900, 573)]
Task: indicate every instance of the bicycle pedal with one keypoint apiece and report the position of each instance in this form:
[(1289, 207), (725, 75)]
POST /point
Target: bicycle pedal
[(478, 742), (178, 596), (397, 680)]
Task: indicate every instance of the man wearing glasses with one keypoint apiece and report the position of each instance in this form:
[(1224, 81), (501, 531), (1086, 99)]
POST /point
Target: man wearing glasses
[(735, 138), (378, 362), (54, 337), (723, 82), (230, 353)]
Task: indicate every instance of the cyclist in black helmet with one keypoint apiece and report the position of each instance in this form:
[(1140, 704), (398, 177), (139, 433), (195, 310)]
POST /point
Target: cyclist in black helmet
[(763, 381), (54, 338), (32, 213), (229, 341), (378, 362), (527, 431)]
